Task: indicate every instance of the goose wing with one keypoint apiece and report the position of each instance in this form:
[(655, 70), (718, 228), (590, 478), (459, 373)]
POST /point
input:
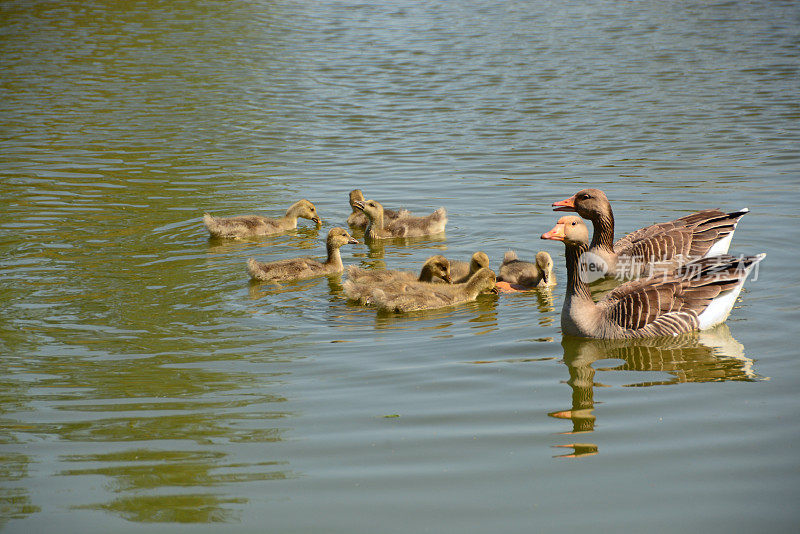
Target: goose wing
[(682, 294), (691, 236)]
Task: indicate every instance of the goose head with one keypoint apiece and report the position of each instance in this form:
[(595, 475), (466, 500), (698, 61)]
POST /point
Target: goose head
[(571, 230), (439, 267), (371, 208), (589, 203), (338, 237), (545, 264), (484, 281), (306, 210), (356, 195), (479, 260)]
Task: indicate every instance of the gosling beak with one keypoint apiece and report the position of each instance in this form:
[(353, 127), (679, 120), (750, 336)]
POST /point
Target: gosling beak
[(568, 204), (352, 241), (556, 234), (494, 291), (317, 220), (359, 204), (447, 278)]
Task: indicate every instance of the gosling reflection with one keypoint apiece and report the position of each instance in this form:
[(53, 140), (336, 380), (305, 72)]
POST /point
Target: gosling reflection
[(257, 289), (140, 470), (16, 500), (578, 449), (710, 356), (304, 238), (377, 247), (482, 314)]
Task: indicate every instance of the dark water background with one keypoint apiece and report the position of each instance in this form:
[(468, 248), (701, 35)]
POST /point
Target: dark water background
[(147, 386)]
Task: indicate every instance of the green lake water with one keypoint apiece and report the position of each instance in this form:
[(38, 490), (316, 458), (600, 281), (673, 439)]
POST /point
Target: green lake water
[(148, 386)]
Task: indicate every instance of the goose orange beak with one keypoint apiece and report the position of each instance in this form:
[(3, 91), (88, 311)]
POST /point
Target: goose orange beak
[(568, 204), (556, 234)]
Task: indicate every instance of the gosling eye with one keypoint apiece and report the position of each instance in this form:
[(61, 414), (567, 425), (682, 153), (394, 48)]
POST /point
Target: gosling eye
[(574, 223)]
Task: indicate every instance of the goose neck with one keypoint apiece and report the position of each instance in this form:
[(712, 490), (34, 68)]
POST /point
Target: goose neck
[(603, 237), (334, 256), (576, 287)]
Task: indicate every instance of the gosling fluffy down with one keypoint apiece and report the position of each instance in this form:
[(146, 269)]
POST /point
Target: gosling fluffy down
[(407, 226), (362, 282), (412, 297)]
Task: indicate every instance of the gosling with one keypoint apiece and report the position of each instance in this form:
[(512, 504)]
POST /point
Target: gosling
[(461, 270), (357, 218), (527, 275), (407, 226), (256, 225), (361, 283), (302, 268)]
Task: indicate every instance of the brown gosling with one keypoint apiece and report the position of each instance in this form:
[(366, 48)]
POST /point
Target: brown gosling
[(525, 274), (301, 268), (404, 226), (256, 225), (361, 282), (461, 270), (413, 297), (359, 220)]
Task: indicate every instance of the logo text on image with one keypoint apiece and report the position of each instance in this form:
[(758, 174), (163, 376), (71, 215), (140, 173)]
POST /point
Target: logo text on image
[(591, 267)]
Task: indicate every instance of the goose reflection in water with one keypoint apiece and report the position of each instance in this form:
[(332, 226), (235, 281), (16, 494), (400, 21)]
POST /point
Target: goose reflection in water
[(709, 356)]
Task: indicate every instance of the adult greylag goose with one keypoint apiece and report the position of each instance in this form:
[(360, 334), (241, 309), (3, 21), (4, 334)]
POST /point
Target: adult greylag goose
[(416, 296), (526, 275), (406, 226), (702, 234), (460, 271), (696, 296), (361, 282), (300, 268), (359, 220), (255, 225)]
